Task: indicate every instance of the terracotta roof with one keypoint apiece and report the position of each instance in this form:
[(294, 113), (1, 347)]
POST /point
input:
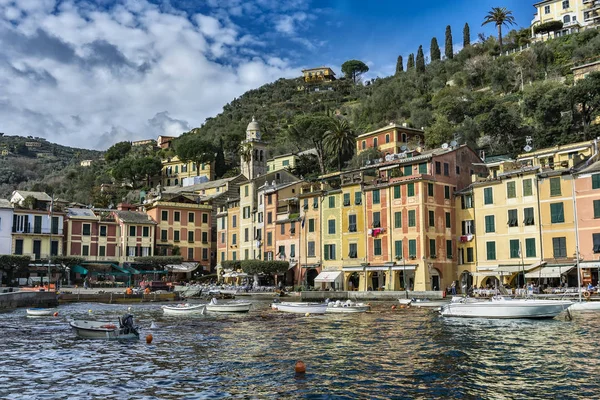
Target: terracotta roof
[(41, 196), (134, 217)]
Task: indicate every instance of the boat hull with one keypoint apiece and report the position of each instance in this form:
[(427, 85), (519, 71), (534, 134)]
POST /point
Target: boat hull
[(184, 309), (41, 312), (229, 307), (585, 306), (348, 309), (303, 308), (509, 309), (101, 331)]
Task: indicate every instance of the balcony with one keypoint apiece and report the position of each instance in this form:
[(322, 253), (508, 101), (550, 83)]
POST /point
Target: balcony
[(36, 231)]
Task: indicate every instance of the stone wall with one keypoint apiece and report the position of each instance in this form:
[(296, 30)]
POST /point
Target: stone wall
[(12, 300), (372, 295)]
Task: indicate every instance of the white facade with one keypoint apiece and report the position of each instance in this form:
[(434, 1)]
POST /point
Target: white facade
[(6, 220)]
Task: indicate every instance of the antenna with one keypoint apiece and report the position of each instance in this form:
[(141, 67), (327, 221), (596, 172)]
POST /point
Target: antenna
[(445, 146)]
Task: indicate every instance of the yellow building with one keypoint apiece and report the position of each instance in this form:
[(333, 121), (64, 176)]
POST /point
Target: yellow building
[(284, 161), (233, 230), (467, 241), (331, 224), (174, 171), (311, 249), (583, 70), (354, 250), (574, 14), (391, 139), (320, 74)]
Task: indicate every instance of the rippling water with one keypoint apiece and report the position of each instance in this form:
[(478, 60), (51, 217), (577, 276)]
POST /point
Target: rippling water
[(383, 354)]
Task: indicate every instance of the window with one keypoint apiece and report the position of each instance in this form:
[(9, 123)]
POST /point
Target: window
[(470, 255), (234, 221), (204, 237), (269, 218), (329, 252), (346, 199), (353, 250), (357, 198), (397, 194), (176, 216), (102, 251), (566, 19), (513, 219), (102, 230), (260, 217), (364, 144), (410, 190), (466, 201), (423, 168), (222, 223), (234, 239), (449, 249), (246, 235), (555, 187), (488, 196), (387, 138), (528, 216), (331, 227), (164, 215), (432, 253), (176, 236), (85, 250), (281, 252), (412, 218), (19, 247), (191, 217), (596, 181), (530, 247), (163, 235), (559, 246), (311, 225), (448, 220), (87, 229), (246, 191), (447, 192), (222, 256), (431, 218), (351, 223), (377, 247), (565, 4), (412, 248), (468, 227), (398, 253), (376, 219), (438, 167), (596, 242), (132, 231), (269, 238), (596, 208), (234, 255), (398, 219), (292, 228), (285, 163), (146, 231), (246, 212), (374, 142), (446, 169), (311, 249), (490, 224), (511, 190), (376, 198), (527, 189), (205, 254), (282, 229), (457, 170), (269, 199), (557, 214), (430, 189), (490, 250), (514, 248), (292, 250), (407, 170), (547, 10), (331, 201), (223, 237), (190, 255)]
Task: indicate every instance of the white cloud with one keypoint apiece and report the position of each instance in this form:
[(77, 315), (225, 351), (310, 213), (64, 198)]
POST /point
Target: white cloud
[(85, 75)]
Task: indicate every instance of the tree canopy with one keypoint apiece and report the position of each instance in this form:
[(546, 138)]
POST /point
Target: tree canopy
[(499, 16), (449, 46), (117, 151), (434, 50), (353, 69), (195, 148)]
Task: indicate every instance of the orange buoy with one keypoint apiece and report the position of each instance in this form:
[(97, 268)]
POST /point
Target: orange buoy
[(402, 306), (393, 307), (149, 339), (300, 367), (55, 314)]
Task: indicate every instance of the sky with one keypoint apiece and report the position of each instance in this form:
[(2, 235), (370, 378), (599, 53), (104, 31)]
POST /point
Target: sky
[(92, 73)]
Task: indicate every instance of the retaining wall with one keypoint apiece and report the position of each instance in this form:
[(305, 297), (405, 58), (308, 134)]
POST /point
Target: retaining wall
[(383, 296), (12, 300)]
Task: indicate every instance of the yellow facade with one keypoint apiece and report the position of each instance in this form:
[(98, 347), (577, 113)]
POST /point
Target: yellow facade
[(320, 74), (558, 157), (174, 171), (390, 139), (286, 161), (574, 14), (354, 249), (233, 230), (246, 221), (331, 217), (310, 202), (467, 241)]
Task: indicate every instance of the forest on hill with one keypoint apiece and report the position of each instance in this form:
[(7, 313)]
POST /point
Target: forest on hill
[(479, 95)]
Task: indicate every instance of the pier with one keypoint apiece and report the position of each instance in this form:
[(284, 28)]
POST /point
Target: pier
[(9, 300)]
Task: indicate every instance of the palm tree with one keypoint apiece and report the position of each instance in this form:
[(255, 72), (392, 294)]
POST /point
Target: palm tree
[(499, 16), (340, 139)]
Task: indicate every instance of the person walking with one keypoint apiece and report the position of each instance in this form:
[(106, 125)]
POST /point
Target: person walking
[(453, 288)]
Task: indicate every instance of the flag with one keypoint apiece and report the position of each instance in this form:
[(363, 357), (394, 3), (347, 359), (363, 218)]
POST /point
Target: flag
[(51, 210), (519, 249)]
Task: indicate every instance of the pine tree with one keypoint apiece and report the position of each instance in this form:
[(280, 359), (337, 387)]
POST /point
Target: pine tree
[(411, 62), (436, 54), (466, 35), (449, 48), (420, 60), (399, 65)]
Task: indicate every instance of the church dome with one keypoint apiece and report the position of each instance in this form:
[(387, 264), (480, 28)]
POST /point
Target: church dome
[(253, 126)]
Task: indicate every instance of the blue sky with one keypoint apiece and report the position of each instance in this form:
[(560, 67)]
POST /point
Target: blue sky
[(91, 73)]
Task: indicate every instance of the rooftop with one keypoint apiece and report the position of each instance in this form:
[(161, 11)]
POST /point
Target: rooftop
[(134, 217), (388, 127), (41, 196)]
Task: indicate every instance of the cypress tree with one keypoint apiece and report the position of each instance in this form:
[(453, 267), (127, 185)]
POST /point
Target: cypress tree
[(449, 49), (399, 65), (411, 62), (436, 54), (420, 60), (466, 35)]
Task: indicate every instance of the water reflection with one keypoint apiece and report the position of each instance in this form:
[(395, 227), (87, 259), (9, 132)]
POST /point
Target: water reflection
[(383, 354)]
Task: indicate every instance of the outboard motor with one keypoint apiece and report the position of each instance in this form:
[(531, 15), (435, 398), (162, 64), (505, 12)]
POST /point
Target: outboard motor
[(127, 325)]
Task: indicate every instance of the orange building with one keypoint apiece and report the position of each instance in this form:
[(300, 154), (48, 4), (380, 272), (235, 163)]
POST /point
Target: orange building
[(391, 139), (310, 261), (587, 201)]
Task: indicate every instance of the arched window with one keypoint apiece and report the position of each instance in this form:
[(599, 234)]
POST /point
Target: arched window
[(567, 19), (176, 182), (168, 182), (255, 155), (374, 142), (404, 137), (261, 155), (364, 144)]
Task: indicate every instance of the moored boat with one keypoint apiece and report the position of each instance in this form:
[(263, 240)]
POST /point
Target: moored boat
[(231, 307), (184, 309), (585, 306), (41, 312), (301, 308), (124, 330), (427, 303), (347, 307), (505, 308)]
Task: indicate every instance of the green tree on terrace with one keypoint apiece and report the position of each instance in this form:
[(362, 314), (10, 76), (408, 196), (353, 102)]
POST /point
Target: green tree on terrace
[(434, 49), (220, 165), (466, 35), (196, 148), (586, 97), (449, 48), (411, 62), (117, 151), (354, 69), (308, 131), (340, 140), (399, 65), (420, 60), (499, 16)]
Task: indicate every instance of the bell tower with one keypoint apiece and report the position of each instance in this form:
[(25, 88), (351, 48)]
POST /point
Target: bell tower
[(253, 152)]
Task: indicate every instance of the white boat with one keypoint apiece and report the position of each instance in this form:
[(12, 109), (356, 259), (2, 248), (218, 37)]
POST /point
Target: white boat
[(405, 302), (302, 308), (41, 312), (123, 330), (427, 303), (230, 307), (585, 306), (347, 307), (184, 309), (500, 307)]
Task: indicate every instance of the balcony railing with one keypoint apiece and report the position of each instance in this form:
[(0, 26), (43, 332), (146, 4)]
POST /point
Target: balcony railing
[(37, 231)]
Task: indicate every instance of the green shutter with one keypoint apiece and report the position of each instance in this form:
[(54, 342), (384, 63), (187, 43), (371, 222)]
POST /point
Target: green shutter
[(412, 248), (511, 190), (491, 250), (530, 247), (596, 181), (407, 170), (377, 247), (555, 187), (596, 208), (346, 199), (331, 201), (376, 198), (311, 225), (412, 218), (326, 252), (423, 168), (527, 190), (488, 196), (432, 248), (490, 225), (357, 198), (398, 219), (448, 220), (411, 189), (448, 248), (430, 189), (514, 249), (528, 216), (557, 213), (431, 218), (398, 249), (396, 192)]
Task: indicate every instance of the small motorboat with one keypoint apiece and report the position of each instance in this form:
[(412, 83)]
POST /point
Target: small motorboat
[(41, 312), (301, 308), (501, 307), (405, 302), (427, 303), (347, 307), (230, 307), (585, 306), (184, 309), (123, 330)]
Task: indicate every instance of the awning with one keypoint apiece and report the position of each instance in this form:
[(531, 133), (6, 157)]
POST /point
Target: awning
[(486, 273), (407, 267), (311, 265), (589, 264), (184, 267), (79, 270), (487, 267), (550, 272), (511, 269), (378, 268), (353, 269), (328, 276)]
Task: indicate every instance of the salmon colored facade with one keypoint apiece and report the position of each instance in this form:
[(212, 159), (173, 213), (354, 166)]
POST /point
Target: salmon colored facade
[(92, 235), (311, 248), (390, 139), (587, 194)]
